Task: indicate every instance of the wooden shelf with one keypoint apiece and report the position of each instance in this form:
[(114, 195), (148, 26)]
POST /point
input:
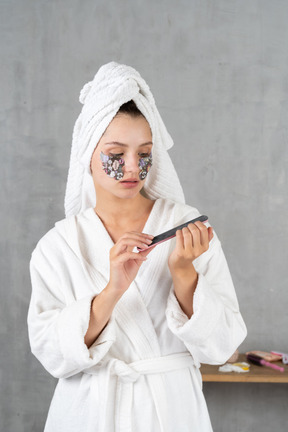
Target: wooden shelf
[(257, 374)]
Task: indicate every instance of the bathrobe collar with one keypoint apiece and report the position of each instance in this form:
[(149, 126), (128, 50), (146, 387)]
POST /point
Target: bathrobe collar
[(130, 313)]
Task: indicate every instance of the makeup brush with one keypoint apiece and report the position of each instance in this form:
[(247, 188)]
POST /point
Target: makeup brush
[(261, 362)]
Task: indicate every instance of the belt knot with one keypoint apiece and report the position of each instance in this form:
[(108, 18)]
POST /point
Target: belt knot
[(124, 372)]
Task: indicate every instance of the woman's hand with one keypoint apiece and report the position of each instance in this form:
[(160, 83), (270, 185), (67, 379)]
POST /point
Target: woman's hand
[(191, 242), (124, 264)]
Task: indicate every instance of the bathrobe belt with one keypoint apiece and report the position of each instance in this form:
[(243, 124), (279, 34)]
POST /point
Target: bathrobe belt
[(127, 375)]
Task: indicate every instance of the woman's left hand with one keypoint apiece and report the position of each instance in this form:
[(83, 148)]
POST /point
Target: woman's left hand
[(191, 242)]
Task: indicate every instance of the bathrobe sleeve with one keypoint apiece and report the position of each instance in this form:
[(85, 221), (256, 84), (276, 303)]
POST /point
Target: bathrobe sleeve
[(57, 319), (216, 328)]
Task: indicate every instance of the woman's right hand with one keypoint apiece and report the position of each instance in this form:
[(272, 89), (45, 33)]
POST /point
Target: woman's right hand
[(124, 266), (124, 263)]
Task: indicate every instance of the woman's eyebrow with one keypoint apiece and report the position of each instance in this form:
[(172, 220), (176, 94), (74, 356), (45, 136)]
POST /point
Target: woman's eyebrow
[(126, 145)]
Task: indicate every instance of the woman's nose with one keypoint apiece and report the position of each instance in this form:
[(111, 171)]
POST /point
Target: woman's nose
[(131, 163)]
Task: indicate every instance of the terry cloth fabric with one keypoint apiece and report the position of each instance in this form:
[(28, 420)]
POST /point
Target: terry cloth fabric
[(113, 85), (142, 373)]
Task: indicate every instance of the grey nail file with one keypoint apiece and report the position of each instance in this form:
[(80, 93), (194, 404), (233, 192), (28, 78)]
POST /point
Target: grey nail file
[(172, 233)]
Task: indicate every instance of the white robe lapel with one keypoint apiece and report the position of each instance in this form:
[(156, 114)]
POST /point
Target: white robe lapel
[(77, 242), (130, 313), (133, 318)]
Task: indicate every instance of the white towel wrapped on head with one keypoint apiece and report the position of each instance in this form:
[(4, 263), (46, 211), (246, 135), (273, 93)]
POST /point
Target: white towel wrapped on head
[(113, 85)]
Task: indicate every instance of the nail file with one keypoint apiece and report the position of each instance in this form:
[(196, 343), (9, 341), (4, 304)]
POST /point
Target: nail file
[(167, 235)]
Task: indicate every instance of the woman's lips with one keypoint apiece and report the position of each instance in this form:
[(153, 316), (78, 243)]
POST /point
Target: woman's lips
[(130, 183)]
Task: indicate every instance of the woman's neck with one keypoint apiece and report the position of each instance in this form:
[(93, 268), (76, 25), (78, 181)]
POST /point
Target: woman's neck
[(124, 211)]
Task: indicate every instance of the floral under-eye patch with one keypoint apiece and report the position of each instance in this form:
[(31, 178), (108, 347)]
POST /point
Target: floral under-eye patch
[(144, 164), (112, 165)]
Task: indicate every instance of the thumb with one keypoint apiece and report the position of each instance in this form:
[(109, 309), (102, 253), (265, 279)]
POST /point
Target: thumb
[(146, 252)]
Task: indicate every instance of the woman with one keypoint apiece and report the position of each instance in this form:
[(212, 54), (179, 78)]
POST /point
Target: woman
[(125, 331)]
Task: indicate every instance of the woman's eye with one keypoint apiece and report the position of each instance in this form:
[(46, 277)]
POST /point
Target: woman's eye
[(116, 154), (144, 155)]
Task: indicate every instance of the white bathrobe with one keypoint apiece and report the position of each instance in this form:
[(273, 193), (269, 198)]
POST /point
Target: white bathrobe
[(142, 373)]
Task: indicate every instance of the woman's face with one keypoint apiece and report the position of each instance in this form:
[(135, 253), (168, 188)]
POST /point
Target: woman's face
[(122, 158)]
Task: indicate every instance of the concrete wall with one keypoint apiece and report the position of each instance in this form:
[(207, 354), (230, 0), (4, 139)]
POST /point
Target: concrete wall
[(218, 71)]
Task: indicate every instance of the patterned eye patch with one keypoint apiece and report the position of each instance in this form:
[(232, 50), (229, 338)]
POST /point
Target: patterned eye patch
[(113, 166), (144, 164)]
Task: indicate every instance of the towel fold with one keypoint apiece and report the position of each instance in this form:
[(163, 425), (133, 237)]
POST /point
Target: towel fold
[(113, 85)]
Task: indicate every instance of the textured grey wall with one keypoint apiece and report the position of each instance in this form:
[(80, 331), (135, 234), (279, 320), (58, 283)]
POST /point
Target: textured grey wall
[(218, 71)]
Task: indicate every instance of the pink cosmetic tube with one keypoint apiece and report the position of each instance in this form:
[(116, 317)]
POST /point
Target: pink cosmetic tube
[(272, 366)]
